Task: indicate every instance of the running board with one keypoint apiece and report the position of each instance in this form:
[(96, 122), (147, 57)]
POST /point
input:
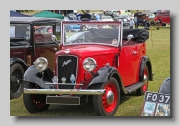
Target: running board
[(134, 87)]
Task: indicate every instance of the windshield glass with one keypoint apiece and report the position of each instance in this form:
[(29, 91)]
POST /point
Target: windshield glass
[(20, 31), (88, 33)]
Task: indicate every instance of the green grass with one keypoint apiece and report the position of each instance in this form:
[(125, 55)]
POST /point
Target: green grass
[(158, 49)]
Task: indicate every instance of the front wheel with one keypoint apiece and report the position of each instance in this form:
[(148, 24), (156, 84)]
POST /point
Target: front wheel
[(16, 80), (34, 102), (107, 104)]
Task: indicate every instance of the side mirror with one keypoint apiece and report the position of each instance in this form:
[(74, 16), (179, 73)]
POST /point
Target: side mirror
[(129, 37), (54, 38)]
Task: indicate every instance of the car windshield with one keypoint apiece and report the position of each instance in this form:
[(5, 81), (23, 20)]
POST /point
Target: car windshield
[(88, 33), (20, 31)]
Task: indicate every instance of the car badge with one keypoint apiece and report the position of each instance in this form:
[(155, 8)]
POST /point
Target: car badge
[(63, 79), (67, 51), (55, 79), (72, 78), (66, 62)]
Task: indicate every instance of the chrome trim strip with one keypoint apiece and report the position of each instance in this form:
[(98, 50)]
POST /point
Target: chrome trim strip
[(63, 84), (15, 47), (17, 52), (62, 33), (94, 43), (119, 40), (121, 35), (64, 91)]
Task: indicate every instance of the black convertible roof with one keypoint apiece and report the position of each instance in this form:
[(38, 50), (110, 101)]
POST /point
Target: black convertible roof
[(140, 35), (28, 20)]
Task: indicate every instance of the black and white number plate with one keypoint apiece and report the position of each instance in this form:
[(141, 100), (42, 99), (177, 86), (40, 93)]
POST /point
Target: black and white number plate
[(157, 97)]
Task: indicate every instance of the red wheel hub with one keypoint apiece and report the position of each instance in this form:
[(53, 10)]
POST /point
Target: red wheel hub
[(109, 99), (145, 86)]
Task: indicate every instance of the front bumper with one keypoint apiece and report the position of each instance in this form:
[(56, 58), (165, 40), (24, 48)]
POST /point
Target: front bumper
[(65, 91)]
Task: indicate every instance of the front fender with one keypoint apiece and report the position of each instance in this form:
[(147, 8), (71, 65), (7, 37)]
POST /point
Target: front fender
[(18, 60), (101, 76), (104, 74), (145, 61), (32, 75)]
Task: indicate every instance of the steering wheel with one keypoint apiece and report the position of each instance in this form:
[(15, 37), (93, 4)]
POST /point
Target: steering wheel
[(79, 41)]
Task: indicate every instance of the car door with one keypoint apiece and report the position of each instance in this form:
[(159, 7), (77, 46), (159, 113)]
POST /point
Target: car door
[(129, 63), (45, 47), (18, 52)]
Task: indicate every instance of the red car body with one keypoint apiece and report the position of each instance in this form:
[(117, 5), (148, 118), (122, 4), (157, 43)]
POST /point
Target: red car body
[(106, 63)]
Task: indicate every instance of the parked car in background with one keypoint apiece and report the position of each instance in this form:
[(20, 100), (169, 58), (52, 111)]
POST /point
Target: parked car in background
[(94, 14), (96, 67), (72, 27), (111, 12), (126, 22), (28, 42), (71, 16), (163, 18), (106, 18), (123, 16)]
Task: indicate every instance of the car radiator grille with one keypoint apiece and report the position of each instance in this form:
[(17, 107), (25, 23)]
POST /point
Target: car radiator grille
[(67, 65)]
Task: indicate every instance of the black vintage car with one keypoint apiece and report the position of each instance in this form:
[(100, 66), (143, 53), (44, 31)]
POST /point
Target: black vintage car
[(28, 42), (126, 22)]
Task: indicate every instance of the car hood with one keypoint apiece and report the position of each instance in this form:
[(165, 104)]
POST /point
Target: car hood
[(87, 50)]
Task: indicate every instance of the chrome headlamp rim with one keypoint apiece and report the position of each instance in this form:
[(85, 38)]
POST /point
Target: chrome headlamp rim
[(90, 68), (41, 61)]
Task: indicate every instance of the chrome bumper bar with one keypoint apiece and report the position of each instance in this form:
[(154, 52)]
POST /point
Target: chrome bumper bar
[(64, 91)]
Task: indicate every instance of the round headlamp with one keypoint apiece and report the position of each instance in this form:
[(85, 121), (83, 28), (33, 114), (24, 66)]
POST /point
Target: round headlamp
[(89, 64), (41, 64)]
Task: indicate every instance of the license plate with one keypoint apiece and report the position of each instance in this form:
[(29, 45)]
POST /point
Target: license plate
[(157, 97), (63, 100)]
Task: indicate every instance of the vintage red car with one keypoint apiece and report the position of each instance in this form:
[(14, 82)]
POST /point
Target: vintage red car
[(163, 18), (95, 65)]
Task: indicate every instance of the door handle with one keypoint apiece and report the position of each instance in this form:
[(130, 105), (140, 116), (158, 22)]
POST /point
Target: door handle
[(134, 52)]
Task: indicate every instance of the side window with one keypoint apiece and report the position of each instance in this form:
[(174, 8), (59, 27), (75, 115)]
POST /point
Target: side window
[(21, 31), (42, 34)]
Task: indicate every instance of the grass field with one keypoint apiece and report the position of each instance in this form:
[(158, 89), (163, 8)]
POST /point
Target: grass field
[(158, 49)]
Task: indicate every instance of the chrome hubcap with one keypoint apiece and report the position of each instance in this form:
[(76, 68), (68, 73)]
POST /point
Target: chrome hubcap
[(110, 97), (145, 78)]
